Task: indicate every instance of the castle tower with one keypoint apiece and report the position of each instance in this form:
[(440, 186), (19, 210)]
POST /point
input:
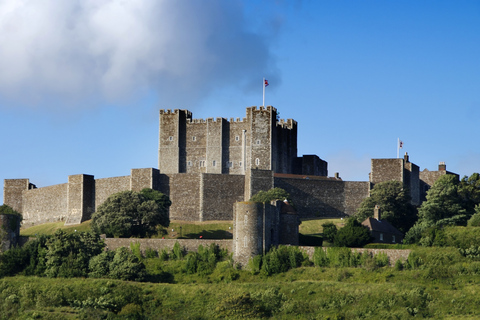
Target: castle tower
[(255, 230), (172, 140)]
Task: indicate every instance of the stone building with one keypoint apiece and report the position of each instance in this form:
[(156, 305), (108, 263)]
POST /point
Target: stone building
[(381, 230), (416, 181), (259, 226), (206, 166)]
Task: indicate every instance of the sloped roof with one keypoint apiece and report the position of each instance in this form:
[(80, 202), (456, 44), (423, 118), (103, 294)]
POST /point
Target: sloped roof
[(287, 208), (380, 226)]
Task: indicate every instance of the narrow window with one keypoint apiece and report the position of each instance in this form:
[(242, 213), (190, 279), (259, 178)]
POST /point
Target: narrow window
[(214, 163), (381, 236), (257, 161), (237, 138), (189, 163), (170, 138), (258, 141), (393, 239), (229, 164), (194, 138), (240, 164), (202, 163)]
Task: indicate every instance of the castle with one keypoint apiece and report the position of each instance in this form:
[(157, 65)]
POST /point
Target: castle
[(206, 166)]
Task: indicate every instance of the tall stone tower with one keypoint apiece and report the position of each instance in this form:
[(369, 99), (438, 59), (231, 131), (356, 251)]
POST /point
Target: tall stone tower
[(259, 141)]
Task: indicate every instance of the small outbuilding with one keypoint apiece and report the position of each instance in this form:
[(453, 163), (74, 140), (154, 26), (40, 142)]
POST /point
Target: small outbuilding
[(381, 230)]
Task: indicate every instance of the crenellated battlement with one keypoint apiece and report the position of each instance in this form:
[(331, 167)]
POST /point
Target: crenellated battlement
[(167, 112), (287, 124), (262, 108), (218, 145)]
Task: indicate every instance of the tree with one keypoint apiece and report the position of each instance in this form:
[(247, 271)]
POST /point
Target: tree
[(353, 235), (329, 231), (271, 195), (394, 201), (444, 206), (474, 221), (68, 254), (119, 264), (469, 191), (129, 213), (444, 203)]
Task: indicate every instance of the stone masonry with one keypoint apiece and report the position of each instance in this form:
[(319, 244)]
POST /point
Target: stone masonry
[(206, 166)]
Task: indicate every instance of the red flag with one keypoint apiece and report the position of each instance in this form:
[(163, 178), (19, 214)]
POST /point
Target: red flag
[(266, 83), (400, 144)]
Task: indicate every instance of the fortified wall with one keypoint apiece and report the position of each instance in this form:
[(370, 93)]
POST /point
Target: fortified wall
[(206, 166)]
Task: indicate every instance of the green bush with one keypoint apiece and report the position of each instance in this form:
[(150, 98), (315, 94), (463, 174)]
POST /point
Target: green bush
[(329, 231), (353, 235), (126, 266), (320, 258), (255, 264), (151, 253), (68, 254), (99, 265), (177, 252)]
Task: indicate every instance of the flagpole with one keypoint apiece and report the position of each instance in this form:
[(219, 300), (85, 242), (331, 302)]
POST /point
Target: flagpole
[(263, 92), (398, 148)]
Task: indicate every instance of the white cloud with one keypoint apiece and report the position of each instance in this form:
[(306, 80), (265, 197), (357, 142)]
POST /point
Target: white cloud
[(110, 50)]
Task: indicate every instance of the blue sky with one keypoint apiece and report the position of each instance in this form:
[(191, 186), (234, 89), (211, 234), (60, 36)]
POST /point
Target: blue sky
[(81, 82)]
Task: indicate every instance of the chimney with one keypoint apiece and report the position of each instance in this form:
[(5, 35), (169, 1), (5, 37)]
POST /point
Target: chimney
[(442, 166), (406, 158), (337, 175), (376, 212)]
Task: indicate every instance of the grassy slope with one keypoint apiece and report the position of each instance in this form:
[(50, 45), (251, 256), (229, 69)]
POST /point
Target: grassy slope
[(443, 289), (189, 229), (303, 293)]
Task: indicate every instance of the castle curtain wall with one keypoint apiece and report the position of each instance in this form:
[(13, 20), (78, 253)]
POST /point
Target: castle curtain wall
[(218, 193), (108, 186), (184, 192), (47, 204), (355, 192), (315, 198)]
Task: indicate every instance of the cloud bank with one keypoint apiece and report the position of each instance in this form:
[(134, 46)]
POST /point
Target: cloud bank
[(67, 53)]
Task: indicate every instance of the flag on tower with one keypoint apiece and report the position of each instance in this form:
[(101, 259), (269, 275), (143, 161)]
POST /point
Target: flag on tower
[(266, 83), (400, 144)]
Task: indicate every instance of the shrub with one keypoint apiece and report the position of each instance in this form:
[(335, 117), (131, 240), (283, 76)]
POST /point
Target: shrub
[(382, 259), (126, 266), (352, 235), (329, 231), (320, 258), (177, 252), (151, 253)]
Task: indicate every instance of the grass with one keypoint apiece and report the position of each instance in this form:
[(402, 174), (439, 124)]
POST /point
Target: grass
[(185, 229), (50, 228), (314, 227), (194, 230), (181, 229), (302, 293)]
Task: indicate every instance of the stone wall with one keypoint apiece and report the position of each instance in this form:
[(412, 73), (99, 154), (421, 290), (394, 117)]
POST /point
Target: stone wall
[(47, 204), (160, 244), (184, 192), (355, 192), (81, 198), (386, 170), (393, 254), (218, 194), (315, 197), (256, 180), (108, 186), (12, 192)]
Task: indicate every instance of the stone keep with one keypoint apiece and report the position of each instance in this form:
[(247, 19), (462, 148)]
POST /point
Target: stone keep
[(258, 141)]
